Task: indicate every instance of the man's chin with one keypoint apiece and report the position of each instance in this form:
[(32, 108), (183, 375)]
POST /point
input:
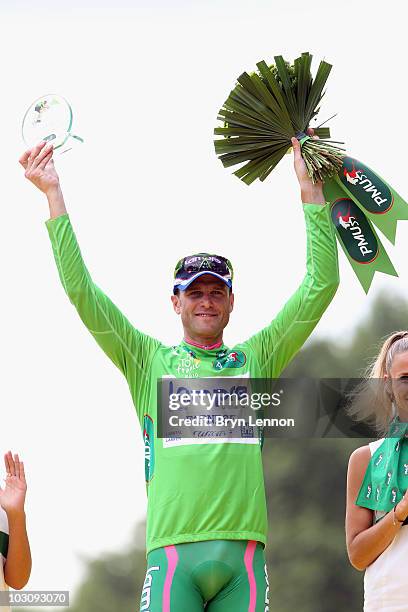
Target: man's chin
[(207, 324)]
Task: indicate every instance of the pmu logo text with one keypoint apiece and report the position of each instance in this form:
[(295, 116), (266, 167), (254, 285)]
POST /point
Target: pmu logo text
[(368, 188), (354, 230)]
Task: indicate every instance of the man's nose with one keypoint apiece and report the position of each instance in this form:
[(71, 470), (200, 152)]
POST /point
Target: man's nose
[(206, 300)]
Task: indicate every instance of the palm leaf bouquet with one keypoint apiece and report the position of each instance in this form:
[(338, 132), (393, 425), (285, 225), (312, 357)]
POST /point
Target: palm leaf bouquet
[(265, 110)]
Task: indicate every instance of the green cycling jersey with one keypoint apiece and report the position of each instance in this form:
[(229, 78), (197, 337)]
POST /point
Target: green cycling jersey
[(201, 491)]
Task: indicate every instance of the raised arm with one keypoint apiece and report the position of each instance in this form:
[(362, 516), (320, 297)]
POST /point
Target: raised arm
[(365, 541), (128, 348), (277, 343), (12, 498)]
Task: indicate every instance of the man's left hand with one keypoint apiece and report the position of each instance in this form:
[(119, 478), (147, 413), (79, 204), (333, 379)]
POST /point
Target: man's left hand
[(310, 193)]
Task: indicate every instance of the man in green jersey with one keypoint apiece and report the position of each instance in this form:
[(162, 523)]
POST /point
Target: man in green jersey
[(206, 519)]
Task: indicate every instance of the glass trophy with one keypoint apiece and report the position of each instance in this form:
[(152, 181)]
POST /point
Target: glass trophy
[(49, 118)]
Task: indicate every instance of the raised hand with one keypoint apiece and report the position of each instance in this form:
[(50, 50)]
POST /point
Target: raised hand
[(310, 193), (39, 167), (12, 496), (40, 170)]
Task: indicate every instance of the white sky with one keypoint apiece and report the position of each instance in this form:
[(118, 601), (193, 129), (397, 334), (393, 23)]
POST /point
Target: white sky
[(146, 81)]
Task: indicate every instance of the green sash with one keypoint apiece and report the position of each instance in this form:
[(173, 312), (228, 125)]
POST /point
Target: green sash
[(386, 478)]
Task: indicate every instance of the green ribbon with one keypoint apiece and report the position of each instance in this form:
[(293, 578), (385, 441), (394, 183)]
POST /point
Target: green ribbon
[(380, 202), (386, 477), (360, 198), (303, 139), (356, 234)]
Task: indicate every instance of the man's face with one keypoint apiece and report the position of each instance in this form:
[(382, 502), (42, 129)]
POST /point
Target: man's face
[(204, 307)]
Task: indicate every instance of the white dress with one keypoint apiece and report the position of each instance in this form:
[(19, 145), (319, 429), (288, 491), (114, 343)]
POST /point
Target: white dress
[(385, 580), (5, 530)]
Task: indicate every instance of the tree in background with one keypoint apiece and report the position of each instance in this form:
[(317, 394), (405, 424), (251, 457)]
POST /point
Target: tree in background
[(305, 486), (114, 582)]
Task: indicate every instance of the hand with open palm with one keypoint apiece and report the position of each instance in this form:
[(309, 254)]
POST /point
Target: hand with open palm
[(12, 495)]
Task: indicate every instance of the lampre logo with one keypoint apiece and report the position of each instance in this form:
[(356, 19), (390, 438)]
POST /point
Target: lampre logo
[(369, 189), (354, 230), (147, 588), (148, 437)]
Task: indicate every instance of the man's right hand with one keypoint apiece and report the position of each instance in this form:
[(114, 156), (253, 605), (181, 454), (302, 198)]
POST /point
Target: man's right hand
[(39, 168)]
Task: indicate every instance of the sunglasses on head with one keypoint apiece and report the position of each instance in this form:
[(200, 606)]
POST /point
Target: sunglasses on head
[(202, 262)]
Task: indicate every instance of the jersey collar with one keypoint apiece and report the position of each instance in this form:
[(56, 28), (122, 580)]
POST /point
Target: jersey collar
[(208, 347)]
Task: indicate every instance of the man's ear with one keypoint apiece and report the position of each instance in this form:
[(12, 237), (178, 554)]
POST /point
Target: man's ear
[(231, 297), (175, 299)]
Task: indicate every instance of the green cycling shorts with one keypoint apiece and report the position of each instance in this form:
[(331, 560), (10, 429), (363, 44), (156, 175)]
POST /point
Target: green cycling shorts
[(214, 575)]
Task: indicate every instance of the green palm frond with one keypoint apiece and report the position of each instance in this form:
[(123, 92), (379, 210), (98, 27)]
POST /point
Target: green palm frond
[(265, 110)]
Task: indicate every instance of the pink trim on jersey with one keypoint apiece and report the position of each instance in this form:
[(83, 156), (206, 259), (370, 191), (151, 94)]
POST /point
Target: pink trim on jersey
[(248, 560), (172, 560), (203, 346)]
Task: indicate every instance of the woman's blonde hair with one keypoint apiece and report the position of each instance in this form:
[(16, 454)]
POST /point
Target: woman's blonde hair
[(372, 400)]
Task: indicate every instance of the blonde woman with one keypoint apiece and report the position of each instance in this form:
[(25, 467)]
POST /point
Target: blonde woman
[(377, 482)]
